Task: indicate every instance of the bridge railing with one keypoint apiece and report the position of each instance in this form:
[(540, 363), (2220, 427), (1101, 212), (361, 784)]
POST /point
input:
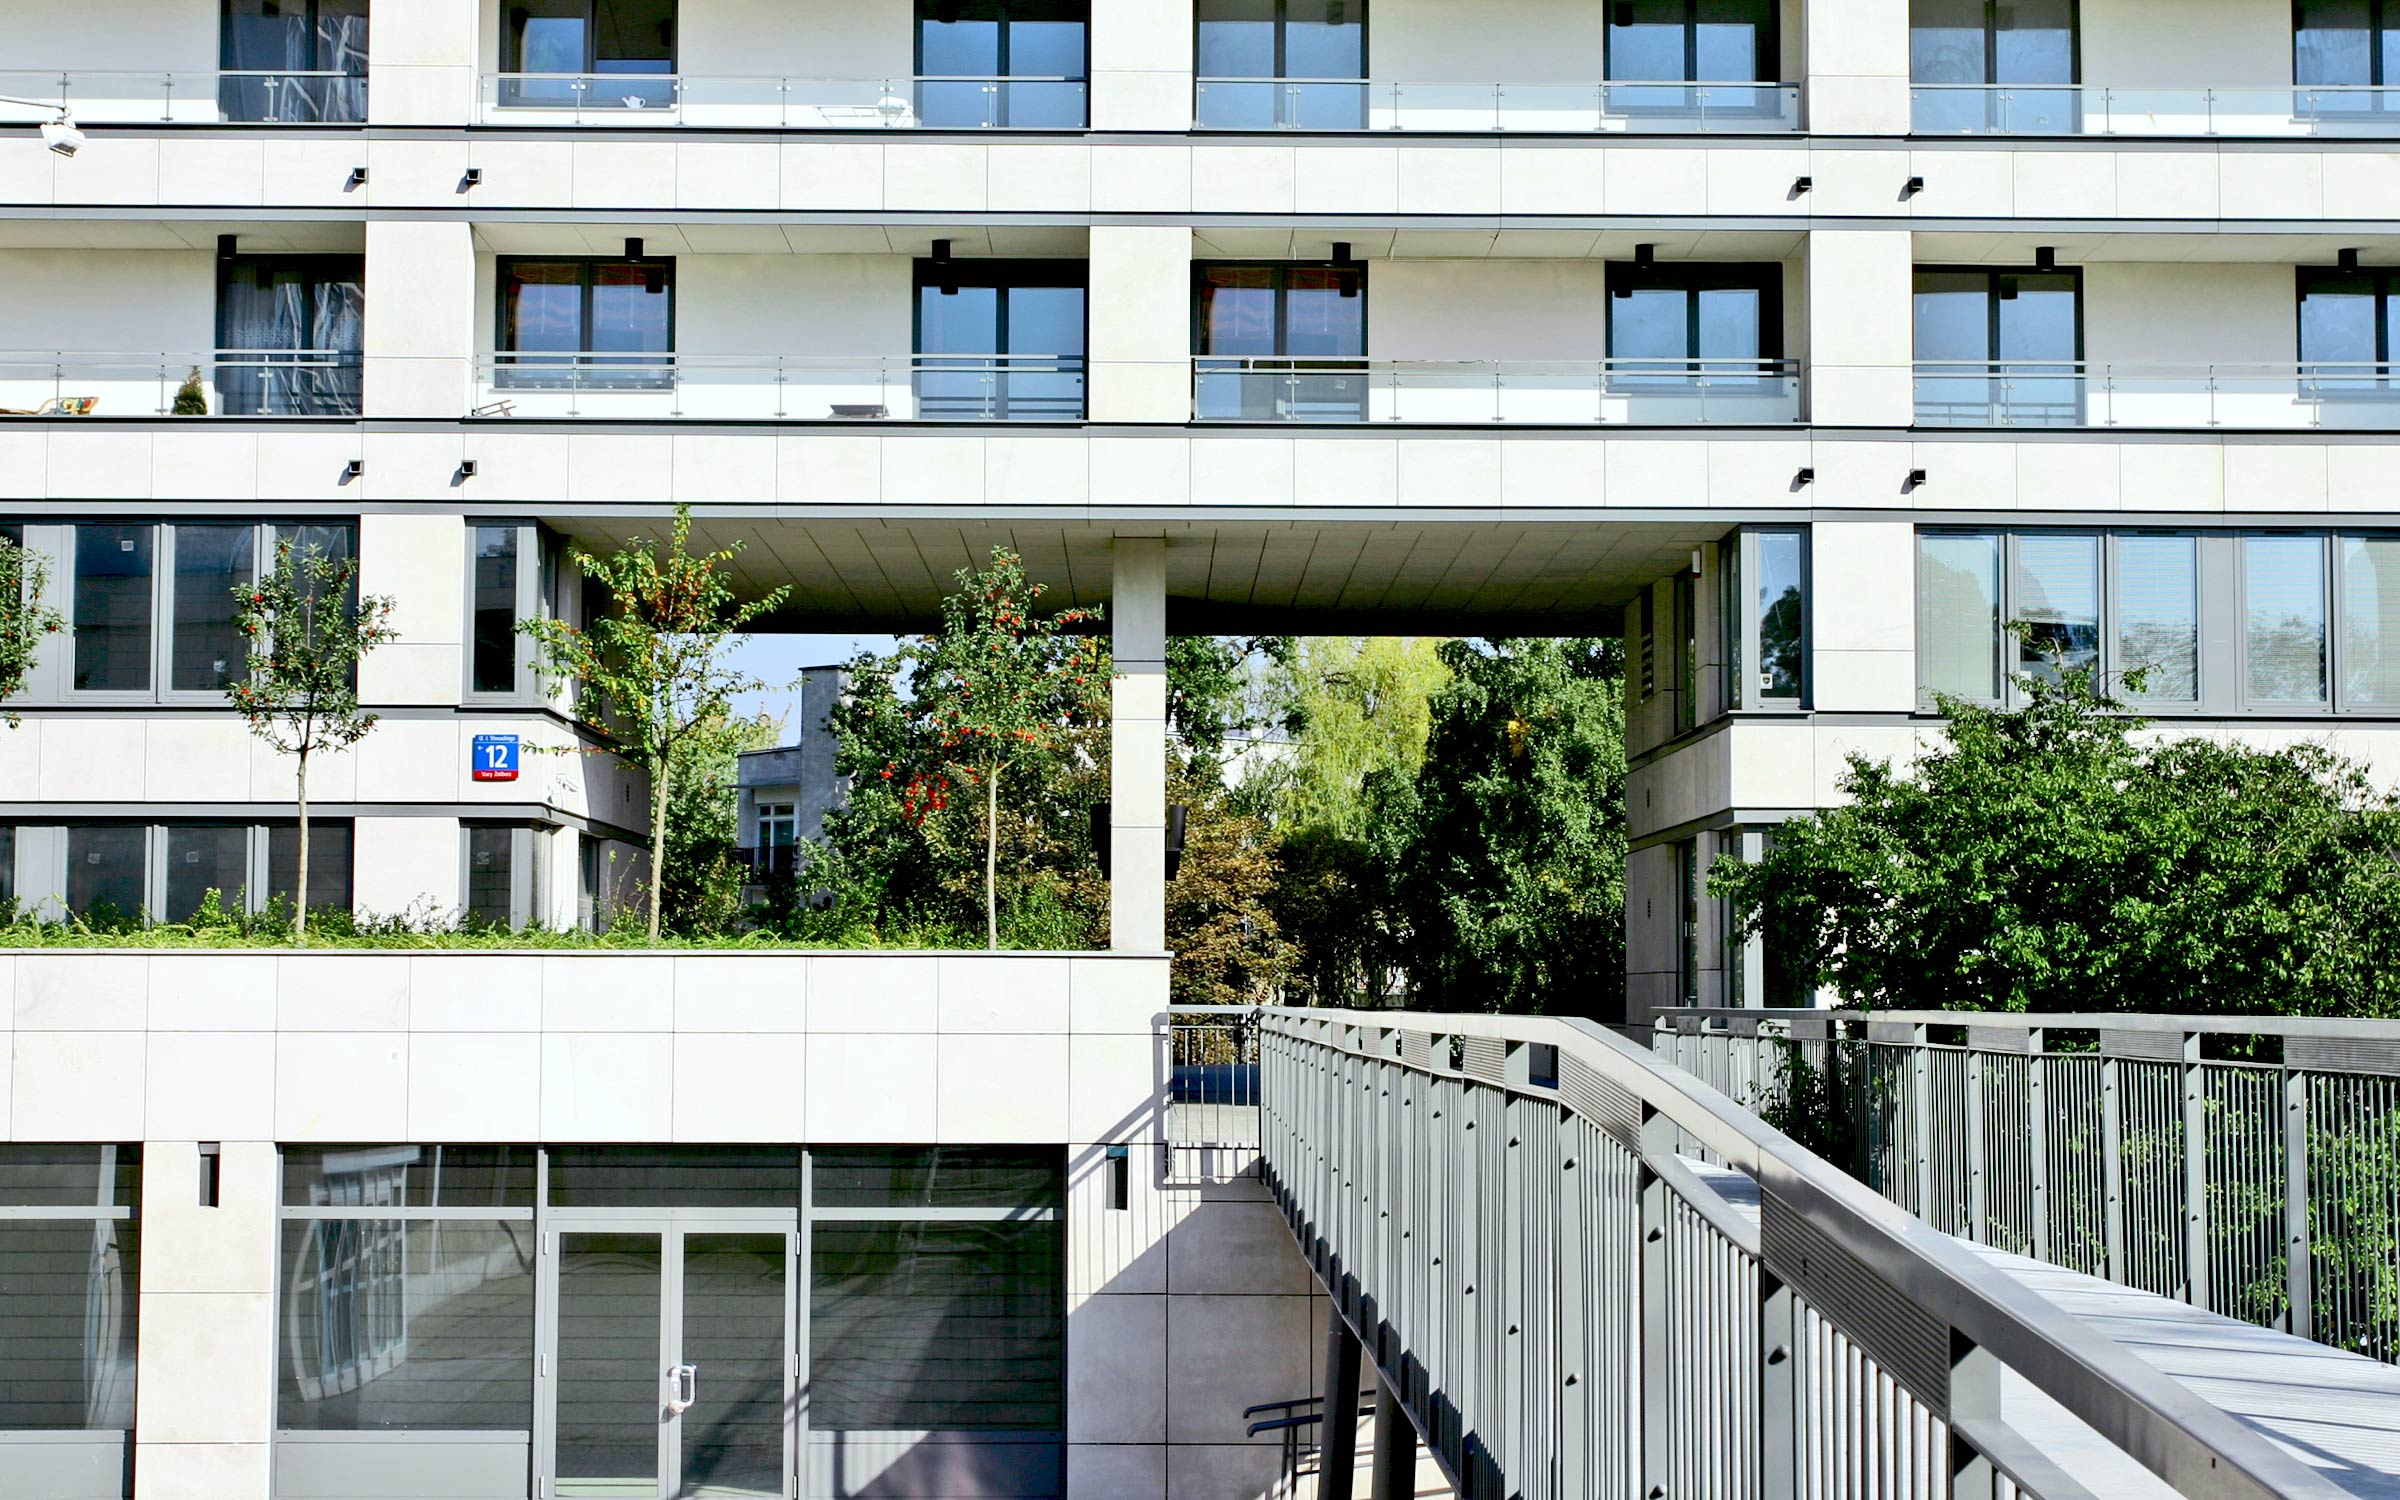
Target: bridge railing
[(2069, 1138), (1508, 1213)]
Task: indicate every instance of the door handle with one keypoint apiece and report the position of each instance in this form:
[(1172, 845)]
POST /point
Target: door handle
[(683, 1389)]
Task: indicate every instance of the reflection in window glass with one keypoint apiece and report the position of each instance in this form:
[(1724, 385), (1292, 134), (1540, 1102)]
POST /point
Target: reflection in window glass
[(675, 1176), (2370, 622), (112, 607), (210, 562), (2337, 42), (2157, 609), (399, 1324), (491, 866), (104, 871), (1781, 614), (8, 865), (1958, 645), (408, 1176), (495, 660), (935, 1177), (2055, 611), (2283, 595), (69, 1289), (1033, 49), (204, 857), (328, 863)]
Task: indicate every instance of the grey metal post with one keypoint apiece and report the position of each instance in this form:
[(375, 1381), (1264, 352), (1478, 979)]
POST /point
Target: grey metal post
[(1394, 1476), (1657, 1393), (1337, 1454), (2112, 1171), (1979, 1193), (2195, 1174), (1779, 1389), (2037, 1141), (2297, 1272), (1920, 1069)]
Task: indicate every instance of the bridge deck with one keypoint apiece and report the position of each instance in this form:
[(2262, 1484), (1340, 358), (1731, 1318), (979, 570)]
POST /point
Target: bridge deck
[(2335, 1411)]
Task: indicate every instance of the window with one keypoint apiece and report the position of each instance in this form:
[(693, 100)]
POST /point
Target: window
[(118, 593), (70, 1282), (1016, 63), (1958, 615), (8, 869), (204, 857), (1998, 346), (112, 607), (779, 827), (2156, 614), (1000, 340), (2342, 46), (2284, 645), (270, 49), (121, 870), (290, 329), (2370, 622), (508, 583), (1687, 666), (1961, 51), (596, 324), (1248, 49), (209, 649), (105, 872), (502, 882), (1645, 645), (1692, 41), (1687, 922), (2055, 604), (1280, 342), (588, 54), (1674, 321), (2346, 329), (329, 863), (1765, 614), (407, 1289)]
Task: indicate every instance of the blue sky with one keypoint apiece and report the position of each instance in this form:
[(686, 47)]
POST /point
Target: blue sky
[(780, 658)]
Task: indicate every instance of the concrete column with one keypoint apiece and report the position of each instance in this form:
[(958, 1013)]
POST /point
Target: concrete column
[(1137, 791), (1142, 65), (422, 60), (402, 862), (1862, 616), (204, 1406), (1856, 60), (1141, 322), (1394, 1476), (1862, 337), (420, 561), (420, 334)]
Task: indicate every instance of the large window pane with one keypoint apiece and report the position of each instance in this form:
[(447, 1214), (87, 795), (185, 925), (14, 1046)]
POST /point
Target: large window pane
[(2344, 322), (408, 1176), (936, 1325), (1958, 645), (1946, 42), (204, 857), (112, 607), (210, 563), (2370, 622), (495, 662), (2283, 594), (2333, 42), (2158, 616), (675, 1176), (70, 1176), (1647, 40), (329, 863), (1325, 313), (1237, 39), (903, 1178), (491, 869), (541, 305), (8, 867), (1953, 316), (400, 1324), (1781, 614), (105, 870), (2055, 609), (68, 1295)]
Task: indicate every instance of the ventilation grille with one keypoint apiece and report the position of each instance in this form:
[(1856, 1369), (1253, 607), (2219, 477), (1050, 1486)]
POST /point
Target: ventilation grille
[(1911, 1344), (1606, 1104)]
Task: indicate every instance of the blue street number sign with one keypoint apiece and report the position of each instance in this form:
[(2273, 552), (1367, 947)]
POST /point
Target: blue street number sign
[(495, 757)]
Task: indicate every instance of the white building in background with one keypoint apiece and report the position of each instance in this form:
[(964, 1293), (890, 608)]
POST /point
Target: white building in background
[(1805, 343), (783, 794)]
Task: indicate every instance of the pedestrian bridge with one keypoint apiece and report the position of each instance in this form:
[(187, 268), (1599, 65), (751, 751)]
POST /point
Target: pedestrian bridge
[(1580, 1270)]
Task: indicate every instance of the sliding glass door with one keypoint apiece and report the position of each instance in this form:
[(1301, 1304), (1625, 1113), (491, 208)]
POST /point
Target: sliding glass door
[(289, 332), (294, 61)]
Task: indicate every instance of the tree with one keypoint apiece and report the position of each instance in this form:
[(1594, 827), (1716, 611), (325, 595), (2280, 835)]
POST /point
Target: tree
[(25, 617), (1228, 947), (702, 885), (1511, 888), (2055, 857), (190, 400), (654, 682), (1350, 705), (308, 628), (1002, 687)]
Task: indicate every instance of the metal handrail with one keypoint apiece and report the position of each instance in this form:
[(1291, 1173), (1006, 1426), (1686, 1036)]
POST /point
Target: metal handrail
[(2200, 1450), (2328, 1027)]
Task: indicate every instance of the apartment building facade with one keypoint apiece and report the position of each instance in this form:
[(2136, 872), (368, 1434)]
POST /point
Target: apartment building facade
[(1809, 345)]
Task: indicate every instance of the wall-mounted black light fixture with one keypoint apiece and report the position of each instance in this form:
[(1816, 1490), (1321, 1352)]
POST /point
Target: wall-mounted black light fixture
[(1916, 481), (1345, 283), (2045, 257), (1802, 184), (2007, 288), (1645, 255), (466, 468), (2347, 258), (948, 286), (228, 246), (633, 248), (358, 178), (1803, 478), (1176, 813), (353, 469), (1912, 187), (471, 177)]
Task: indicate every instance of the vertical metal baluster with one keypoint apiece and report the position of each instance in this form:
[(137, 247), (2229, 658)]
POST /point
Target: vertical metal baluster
[(2195, 1174), (2298, 1273)]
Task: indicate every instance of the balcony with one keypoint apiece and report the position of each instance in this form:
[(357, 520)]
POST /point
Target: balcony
[(902, 102), (2099, 109), (231, 383), (1617, 392), (206, 97), (604, 386), (1337, 105), (2363, 397)]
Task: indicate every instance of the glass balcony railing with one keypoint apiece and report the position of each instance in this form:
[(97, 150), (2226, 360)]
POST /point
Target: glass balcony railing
[(1631, 392), (197, 98), (2092, 109), (1351, 104), (2339, 396), (226, 383), (785, 103), (781, 388)]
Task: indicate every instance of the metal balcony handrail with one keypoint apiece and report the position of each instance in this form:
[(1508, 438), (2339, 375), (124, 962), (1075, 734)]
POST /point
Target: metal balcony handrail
[(1316, 1101), (1445, 83), (791, 78), (2326, 1027)]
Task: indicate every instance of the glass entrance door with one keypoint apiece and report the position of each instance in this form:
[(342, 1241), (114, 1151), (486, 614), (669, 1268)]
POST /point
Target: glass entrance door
[(671, 1371)]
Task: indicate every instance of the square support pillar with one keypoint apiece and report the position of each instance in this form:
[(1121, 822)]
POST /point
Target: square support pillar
[(1856, 63), (1862, 338), (420, 333), (423, 60), (421, 562), (1141, 322), (204, 1404), (1137, 775), (1142, 65)]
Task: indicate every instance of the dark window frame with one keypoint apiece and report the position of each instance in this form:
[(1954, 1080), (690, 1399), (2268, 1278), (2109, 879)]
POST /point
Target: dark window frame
[(1283, 71), (1003, 70), (1993, 296), (1281, 270), (525, 369), (1695, 276), (2380, 23), (1991, 48), (312, 269), (2384, 286), (1770, 46), (512, 40), (1002, 274)]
